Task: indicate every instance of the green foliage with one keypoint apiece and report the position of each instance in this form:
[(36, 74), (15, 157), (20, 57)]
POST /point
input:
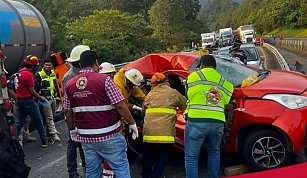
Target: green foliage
[(116, 36), (175, 22), (53, 12), (265, 15)]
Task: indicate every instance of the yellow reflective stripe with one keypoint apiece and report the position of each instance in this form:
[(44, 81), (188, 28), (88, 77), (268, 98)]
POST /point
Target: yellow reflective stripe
[(159, 138), (160, 110)]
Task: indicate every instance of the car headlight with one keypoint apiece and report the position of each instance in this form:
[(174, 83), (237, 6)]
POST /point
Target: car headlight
[(288, 100)]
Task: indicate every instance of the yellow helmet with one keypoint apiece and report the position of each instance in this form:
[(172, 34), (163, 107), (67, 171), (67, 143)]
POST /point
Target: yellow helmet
[(134, 76)]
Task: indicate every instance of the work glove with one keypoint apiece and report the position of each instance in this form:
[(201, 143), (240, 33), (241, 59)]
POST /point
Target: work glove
[(136, 108), (134, 130), (74, 134)]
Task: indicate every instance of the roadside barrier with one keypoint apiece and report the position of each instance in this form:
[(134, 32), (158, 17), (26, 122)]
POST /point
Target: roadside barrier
[(281, 60)]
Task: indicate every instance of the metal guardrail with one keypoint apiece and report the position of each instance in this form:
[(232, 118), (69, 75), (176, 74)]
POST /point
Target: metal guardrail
[(281, 60)]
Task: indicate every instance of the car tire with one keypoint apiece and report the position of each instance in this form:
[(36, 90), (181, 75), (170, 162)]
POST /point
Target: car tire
[(266, 149)]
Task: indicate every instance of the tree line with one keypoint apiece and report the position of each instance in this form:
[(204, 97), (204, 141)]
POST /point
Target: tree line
[(264, 15), (124, 30)]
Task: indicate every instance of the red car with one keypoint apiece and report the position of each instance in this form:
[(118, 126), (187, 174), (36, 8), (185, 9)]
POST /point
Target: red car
[(266, 121)]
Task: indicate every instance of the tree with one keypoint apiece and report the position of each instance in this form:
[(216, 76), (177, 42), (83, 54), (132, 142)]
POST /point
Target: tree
[(175, 22), (53, 11), (116, 36)]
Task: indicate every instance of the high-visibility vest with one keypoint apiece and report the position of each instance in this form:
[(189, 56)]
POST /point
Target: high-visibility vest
[(208, 93), (47, 84)]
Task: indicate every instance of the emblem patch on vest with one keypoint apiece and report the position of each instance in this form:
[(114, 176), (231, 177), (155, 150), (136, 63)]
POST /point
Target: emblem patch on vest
[(213, 96), (81, 83)]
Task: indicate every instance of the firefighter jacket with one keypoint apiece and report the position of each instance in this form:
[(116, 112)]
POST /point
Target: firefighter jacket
[(46, 85), (160, 113), (208, 92), (95, 116), (120, 81)]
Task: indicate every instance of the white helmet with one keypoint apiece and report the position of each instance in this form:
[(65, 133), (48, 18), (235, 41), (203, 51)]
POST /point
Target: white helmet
[(106, 67), (134, 76), (76, 52)]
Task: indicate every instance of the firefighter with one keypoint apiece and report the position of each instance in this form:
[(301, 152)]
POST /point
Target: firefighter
[(128, 82), (159, 126), (208, 92), (46, 85), (107, 68)]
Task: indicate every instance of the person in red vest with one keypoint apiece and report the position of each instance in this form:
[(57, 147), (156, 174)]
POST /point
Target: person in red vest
[(93, 107)]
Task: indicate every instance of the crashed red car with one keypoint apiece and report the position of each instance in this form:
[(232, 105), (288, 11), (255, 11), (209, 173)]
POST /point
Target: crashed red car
[(266, 121)]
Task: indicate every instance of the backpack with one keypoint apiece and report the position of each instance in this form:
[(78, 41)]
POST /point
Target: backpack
[(13, 81)]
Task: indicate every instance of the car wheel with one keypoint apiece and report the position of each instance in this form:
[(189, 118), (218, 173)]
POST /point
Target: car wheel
[(265, 150)]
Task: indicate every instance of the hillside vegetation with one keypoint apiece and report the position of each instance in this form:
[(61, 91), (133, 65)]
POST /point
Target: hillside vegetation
[(124, 30)]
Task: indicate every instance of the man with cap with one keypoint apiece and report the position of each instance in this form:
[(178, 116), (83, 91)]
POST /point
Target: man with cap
[(25, 95), (159, 125), (72, 145), (208, 92), (235, 52)]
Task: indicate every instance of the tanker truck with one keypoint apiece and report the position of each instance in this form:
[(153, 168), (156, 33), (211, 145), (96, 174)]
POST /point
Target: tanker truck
[(23, 31)]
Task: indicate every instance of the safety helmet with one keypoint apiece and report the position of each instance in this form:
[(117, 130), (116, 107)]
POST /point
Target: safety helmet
[(157, 78), (106, 67), (76, 52), (32, 60), (134, 76)]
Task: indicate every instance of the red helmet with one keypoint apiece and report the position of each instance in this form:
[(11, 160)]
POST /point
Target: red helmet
[(1, 54), (32, 60)]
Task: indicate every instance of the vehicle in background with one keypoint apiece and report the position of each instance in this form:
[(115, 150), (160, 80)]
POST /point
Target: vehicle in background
[(248, 36), (247, 33), (208, 40), (226, 37), (266, 119), (259, 41), (24, 31), (254, 58)]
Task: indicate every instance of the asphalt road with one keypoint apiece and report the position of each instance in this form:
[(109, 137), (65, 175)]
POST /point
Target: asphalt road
[(50, 162)]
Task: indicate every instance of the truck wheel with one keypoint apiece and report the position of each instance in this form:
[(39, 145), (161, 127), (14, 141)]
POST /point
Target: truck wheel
[(265, 150)]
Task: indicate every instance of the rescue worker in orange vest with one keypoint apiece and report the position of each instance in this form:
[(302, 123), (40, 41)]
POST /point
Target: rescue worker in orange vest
[(159, 125)]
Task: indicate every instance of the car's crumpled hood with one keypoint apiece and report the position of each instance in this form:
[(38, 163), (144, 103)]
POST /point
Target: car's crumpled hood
[(278, 82), (152, 63)]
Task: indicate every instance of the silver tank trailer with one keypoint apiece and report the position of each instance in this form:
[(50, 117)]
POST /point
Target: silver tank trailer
[(23, 31)]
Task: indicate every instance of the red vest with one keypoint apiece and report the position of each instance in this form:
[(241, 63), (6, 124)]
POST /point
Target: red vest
[(95, 116)]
